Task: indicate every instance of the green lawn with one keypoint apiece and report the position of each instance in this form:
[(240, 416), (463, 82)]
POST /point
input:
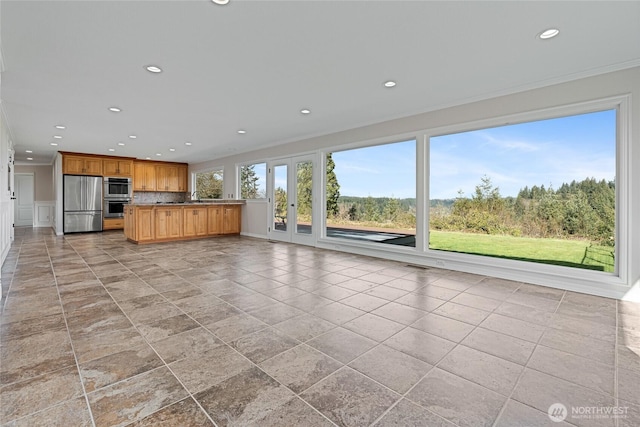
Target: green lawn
[(572, 253)]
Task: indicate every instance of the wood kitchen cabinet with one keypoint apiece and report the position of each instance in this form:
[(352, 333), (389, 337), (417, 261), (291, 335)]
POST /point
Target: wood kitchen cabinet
[(168, 223), (157, 176), (117, 167), (231, 219), (161, 222), (195, 221), (167, 178), (113, 224), (183, 178), (139, 224), (144, 176), (215, 218), (81, 165)]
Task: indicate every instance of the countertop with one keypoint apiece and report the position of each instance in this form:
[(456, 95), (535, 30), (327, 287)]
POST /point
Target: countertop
[(193, 203)]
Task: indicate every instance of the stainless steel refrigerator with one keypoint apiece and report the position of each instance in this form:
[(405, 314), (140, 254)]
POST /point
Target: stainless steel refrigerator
[(82, 203)]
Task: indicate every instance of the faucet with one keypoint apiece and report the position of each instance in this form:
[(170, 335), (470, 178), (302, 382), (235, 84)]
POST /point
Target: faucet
[(193, 195)]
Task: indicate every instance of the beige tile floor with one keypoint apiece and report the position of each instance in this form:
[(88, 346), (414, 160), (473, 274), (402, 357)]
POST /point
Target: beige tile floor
[(237, 332)]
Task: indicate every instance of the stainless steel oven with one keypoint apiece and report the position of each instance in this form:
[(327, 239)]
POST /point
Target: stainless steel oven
[(114, 208), (120, 188)]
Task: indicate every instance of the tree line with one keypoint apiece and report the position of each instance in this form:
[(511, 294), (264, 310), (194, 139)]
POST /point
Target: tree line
[(580, 209)]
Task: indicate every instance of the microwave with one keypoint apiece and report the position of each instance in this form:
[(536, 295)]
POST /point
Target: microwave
[(117, 188)]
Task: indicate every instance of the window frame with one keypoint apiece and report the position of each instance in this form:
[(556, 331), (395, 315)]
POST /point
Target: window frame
[(594, 282), (621, 271)]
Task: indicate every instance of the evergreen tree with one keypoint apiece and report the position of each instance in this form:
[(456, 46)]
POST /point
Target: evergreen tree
[(391, 209), (280, 205), (248, 182), (304, 190), (370, 210), (333, 188), (353, 213)]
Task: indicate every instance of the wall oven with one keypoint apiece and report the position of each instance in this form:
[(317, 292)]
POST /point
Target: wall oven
[(117, 188), (114, 208)]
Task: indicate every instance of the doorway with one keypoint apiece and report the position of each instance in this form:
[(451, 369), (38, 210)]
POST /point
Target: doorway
[(23, 207), (292, 201)]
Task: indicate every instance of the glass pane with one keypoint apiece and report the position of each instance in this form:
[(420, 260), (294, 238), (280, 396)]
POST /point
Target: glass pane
[(209, 185), (542, 191), (253, 179), (371, 194), (304, 184), (280, 201)]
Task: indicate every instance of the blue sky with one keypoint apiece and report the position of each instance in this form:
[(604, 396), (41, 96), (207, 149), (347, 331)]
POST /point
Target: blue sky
[(547, 152), (380, 171)]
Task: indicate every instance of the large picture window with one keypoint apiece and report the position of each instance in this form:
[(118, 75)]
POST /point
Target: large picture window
[(371, 194), (253, 181), (542, 191), (209, 184)]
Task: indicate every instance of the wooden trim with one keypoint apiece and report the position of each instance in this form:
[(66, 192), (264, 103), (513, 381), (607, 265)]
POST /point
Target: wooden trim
[(135, 159), (101, 156)]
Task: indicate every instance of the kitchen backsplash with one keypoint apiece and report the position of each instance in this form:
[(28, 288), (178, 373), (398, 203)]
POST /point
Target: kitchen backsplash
[(158, 196)]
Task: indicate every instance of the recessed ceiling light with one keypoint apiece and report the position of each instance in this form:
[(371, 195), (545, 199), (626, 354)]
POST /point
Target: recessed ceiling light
[(28, 151), (114, 109), (132, 136), (389, 83), (29, 158), (172, 149), (305, 111), (242, 131), (121, 144), (57, 136), (188, 144), (220, 2), (153, 69), (53, 143), (60, 127), (148, 158), (548, 34), (158, 154), (112, 149)]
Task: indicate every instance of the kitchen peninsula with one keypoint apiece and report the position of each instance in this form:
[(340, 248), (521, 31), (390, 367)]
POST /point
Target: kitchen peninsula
[(162, 222)]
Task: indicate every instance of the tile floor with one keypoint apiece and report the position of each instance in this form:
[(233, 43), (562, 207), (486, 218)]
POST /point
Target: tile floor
[(237, 332)]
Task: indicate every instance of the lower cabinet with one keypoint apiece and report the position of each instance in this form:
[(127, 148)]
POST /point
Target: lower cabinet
[(168, 223), (113, 223), (149, 223), (139, 224), (214, 220), (231, 219), (195, 222)]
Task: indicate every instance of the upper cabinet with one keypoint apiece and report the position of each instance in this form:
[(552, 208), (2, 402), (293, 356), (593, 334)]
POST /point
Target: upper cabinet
[(144, 176), (81, 165), (155, 176), (167, 178), (117, 167), (147, 176)]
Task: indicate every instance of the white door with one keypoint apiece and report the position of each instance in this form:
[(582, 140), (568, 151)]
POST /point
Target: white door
[(292, 200), (24, 200)]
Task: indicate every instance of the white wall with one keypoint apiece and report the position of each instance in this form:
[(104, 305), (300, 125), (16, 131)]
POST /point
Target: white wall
[(254, 218), (6, 203), (626, 82), (57, 195)]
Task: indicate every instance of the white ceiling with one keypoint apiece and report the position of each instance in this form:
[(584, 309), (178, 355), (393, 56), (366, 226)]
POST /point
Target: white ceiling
[(254, 64)]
